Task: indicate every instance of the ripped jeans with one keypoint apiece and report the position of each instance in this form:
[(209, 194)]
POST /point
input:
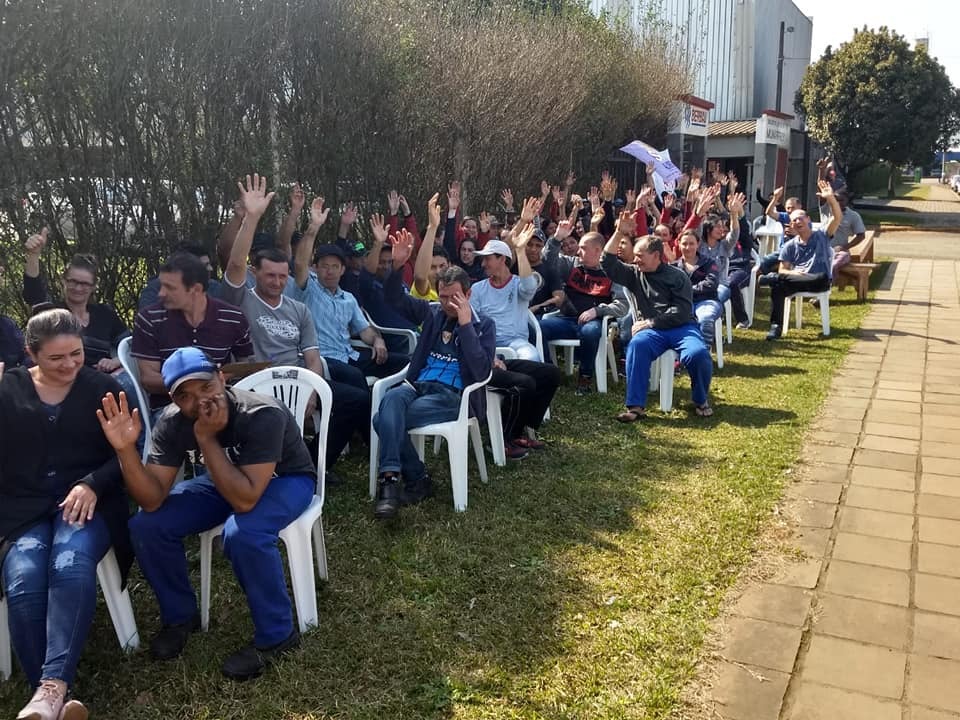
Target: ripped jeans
[(50, 582)]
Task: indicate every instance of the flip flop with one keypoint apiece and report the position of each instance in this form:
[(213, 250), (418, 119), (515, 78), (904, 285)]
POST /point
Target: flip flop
[(704, 410), (631, 416)]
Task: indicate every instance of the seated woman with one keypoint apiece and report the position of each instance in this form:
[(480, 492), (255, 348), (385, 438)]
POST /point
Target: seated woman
[(101, 326), (469, 261), (62, 506), (704, 277)]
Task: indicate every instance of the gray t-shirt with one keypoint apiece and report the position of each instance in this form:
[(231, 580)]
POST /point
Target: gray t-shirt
[(851, 224), (280, 334)]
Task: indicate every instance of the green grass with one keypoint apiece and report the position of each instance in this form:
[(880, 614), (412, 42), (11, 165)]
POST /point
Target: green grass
[(874, 218), (579, 583)]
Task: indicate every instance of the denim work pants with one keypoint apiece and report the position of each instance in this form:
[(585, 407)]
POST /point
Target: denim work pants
[(647, 345), (249, 542), (707, 313), (559, 327), (50, 582), (403, 408)]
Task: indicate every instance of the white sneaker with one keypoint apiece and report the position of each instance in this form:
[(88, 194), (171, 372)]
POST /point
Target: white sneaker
[(46, 702), (743, 326)]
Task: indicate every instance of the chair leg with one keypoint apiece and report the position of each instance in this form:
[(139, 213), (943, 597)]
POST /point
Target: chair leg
[(612, 363), (666, 381), (495, 429), (785, 323), (374, 460), (206, 568), (457, 448), (320, 549), (477, 442), (568, 352), (718, 341), (6, 655), (419, 442), (799, 311), (300, 559), (825, 314), (118, 602), (600, 366), (728, 310)]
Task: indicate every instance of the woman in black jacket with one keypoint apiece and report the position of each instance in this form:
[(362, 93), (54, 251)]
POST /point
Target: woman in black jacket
[(62, 506)]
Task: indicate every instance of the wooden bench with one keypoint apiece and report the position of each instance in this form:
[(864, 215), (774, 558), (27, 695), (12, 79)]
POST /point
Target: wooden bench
[(857, 272)]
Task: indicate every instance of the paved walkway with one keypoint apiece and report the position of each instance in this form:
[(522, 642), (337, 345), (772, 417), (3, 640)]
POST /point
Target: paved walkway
[(867, 626)]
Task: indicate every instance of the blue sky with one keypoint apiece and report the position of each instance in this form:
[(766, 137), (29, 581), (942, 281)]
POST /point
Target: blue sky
[(835, 20)]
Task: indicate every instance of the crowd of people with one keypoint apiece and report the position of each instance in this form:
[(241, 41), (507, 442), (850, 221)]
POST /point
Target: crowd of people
[(459, 301)]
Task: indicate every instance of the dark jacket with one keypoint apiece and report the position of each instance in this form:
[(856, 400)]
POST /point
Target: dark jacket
[(704, 280), (74, 446), (477, 341), (664, 296)]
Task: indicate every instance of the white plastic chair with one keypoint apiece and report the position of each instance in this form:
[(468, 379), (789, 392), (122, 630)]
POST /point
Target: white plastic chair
[(823, 298), (605, 354), (495, 416), (292, 386), (458, 433), (129, 363), (410, 335), (532, 322), (118, 604), (661, 369)]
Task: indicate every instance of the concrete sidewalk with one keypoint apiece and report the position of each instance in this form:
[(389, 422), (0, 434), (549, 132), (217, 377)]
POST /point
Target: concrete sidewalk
[(867, 626)]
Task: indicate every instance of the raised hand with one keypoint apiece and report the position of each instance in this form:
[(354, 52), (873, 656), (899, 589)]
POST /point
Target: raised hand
[(120, 427), (433, 209), (378, 228), (626, 225), (402, 244), (825, 189), (531, 208), (565, 229), (597, 218), (569, 180), (777, 195), (736, 203), (404, 205), (544, 189), (521, 239), (631, 198), (349, 216), (644, 198), (822, 163), (669, 200), (239, 211), (318, 216), (453, 196), (393, 202), (297, 199), (594, 196), (608, 186), (254, 195), (484, 221), (506, 197), (35, 243)]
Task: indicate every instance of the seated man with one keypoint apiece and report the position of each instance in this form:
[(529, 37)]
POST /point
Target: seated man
[(259, 478), (377, 265), (548, 296), (456, 349), (527, 382), (150, 295), (704, 278), (336, 315), (186, 316), (282, 329), (850, 230), (804, 261), (768, 263), (589, 295), (665, 303)]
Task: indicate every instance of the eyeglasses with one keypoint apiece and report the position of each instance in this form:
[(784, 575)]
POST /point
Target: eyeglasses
[(78, 283)]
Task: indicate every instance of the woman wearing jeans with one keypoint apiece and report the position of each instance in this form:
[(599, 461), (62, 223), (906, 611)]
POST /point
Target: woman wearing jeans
[(62, 506)]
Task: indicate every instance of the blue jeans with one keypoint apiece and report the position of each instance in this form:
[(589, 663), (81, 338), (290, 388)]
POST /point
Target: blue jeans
[(249, 542), (50, 581), (708, 312), (647, 345), (403, 408), (559, 327)]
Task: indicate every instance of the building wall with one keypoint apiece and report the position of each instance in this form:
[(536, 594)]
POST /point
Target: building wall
[(796, 53)]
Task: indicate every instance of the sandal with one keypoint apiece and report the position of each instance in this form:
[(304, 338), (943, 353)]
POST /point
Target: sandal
[(631, 416), (703, 410)]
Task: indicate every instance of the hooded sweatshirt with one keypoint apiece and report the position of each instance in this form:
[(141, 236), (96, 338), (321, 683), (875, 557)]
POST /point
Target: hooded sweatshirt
[(664, 296)]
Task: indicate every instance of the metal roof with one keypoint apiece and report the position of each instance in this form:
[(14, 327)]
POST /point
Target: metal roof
[(732, 127)]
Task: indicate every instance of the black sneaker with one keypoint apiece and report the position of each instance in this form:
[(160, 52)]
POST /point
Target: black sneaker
[(388, 498), (584, 386), (250, 661), (172, 639), (417, 492), (774, 333)]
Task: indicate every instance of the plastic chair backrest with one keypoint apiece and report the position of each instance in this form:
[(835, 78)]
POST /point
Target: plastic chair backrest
[(129, 363), (293, 386), (632, 302), (535, 324)]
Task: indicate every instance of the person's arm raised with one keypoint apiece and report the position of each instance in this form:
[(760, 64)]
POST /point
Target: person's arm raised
[(285, 236), (826, 193), (771, 211), (421, 269), (379, 229), (256, 200), (301, 260), (228, 234)]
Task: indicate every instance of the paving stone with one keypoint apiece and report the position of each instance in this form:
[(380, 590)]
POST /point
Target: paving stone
[(825, 473), (813, 542), (896, 407), (883, 478), (943, 506), (831, 424), (826, 453), (949, 422), (941, 389), (776, 603), (937, 408), (889, 460), (910, 432), (942, 435), (899, 395), (875, 522), (749, 693), (761, 643), (810, 513), (819, 491), (936, 635), (909, 385), (855, 666), (936, 593), (862, 620), (894, 417), (867, 582), (941, 398), (922, 713), (933, 682), (939, 485), (939, 530), (890, 444), (940, 466), (864, 381), (802, 574), (941, 449), (938, 559), (880, 499), (867, 550), (843, 439)]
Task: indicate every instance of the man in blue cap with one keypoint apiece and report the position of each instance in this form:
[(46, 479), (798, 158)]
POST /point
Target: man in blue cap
[(259, 478)]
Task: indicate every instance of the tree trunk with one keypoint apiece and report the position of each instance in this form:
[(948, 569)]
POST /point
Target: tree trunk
[(891, 185)]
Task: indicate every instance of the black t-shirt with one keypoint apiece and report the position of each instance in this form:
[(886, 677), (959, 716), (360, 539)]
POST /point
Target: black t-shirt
[(259, 430), (586, 288)]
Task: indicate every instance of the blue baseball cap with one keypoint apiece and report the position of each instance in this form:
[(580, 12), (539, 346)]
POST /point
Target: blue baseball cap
[(187, 363)]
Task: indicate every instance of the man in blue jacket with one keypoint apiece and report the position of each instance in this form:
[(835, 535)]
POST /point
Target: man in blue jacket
[(456, 349)]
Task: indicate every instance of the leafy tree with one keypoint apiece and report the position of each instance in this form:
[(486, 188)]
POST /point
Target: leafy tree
[(873, 99)]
